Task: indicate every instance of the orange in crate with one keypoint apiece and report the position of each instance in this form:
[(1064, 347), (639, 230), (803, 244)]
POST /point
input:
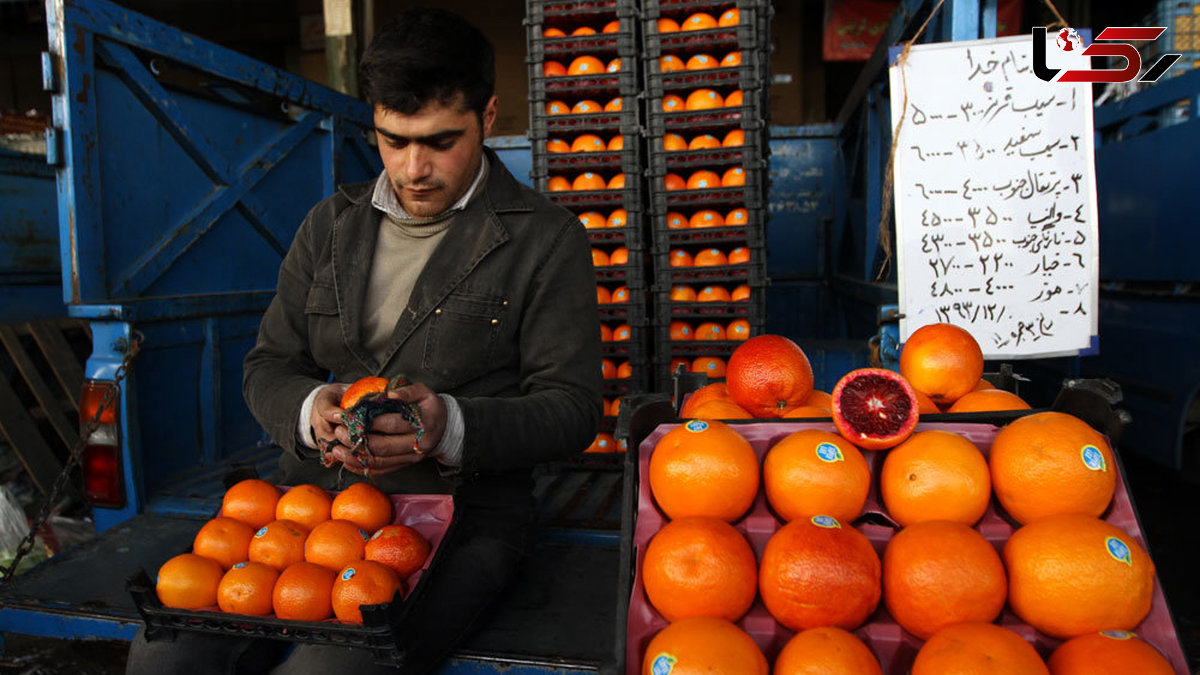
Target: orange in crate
[(701, 62), (703, 469), (731, 59), (700, 566), (599, 258), (588, 181), (619, 256), (583, 30), (825, 649), (585, 107), (608, 369), (616, 183), (709, 392), (304, 592), (698, 21), (683, 293), (703, 645), (334, 544), (603, 295), (942, 361), (364, 505), (553, 69), (769, 374), (363, 583), (603, 443), (713, 366), (975, 648), (616, 143), (735, 99), (618, 218), (613, 66), (674, 181), (1108, 652), (710, 330), (558, 184), (710, 257), (935, 475), (713, 294), (587, 143), (673, 142), (703, 180), (585, 65), (733, 177), (704, 142), (557, 145), (679, 258), (188, 581), (279, 544), (613, 26), (738, 216), (670, 63), (739, 256), (605, 333), (558, 108), (704, 99), (731, 17), (592, 220), (224, 540), (620, 294), (734, 138), (680, 330), (814, 472), (251, 501), (677, 363), (615, 105), (246, 589), (622, 333), (553, 33), (666, 25), (625, 370), (738, 329), (673, 103), (676, 221), (740, 294)]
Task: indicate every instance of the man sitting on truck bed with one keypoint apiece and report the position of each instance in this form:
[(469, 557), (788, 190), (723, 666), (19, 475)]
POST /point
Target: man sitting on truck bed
[(446, 270)]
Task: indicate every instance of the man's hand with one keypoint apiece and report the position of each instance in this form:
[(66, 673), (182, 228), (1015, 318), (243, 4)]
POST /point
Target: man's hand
[(391, 438), (326, 415)]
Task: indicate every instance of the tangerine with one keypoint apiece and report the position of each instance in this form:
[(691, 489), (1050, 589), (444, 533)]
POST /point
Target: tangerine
[(306, 504), (703, 645), (670, 63), (667, 25), (334, 544), (616, 183), (364, 505), (813, 472), (224, 540), (279, 544), (672, 103), (361, 388), (769, 374), (734, 177), (676, 221), (738, 216), (826, 649), (699, 566), (741, 293), (977, 647), (557, 145), (615, 105), (730, 17), (1050, 463), (362, 583), (938, 573), (815, 572), (592, 220), (558, 184), (703, 99), (935, 475), (941, 360), (738, 329), (304, 592), (735, 99), (620, 294), (703, 468), (739, 256), (680, 330), (1108, 652), (188, 581), (251, 501), (708, 392), (713, 366), (730, 60), (558, 108), (673, 142), (616, 143), (246, 589), (679, 258), (553, 69)]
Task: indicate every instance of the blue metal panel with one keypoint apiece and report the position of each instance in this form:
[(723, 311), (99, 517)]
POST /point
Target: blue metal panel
[(66, 626), (516, 153), (800, 200), (30, 274)]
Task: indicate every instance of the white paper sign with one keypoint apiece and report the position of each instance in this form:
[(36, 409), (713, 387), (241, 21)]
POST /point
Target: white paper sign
[(995, 192)]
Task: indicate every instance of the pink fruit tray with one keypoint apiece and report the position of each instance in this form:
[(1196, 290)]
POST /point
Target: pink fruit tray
[(893, 646)]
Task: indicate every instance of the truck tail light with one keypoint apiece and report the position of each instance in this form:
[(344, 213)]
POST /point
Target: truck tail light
[(102, 475)]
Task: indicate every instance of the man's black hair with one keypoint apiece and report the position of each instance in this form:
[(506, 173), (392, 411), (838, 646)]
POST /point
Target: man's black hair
[(424, 56)]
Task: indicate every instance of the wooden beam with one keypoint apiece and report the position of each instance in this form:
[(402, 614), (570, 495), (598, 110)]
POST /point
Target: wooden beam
[(65, 427), (62, 359), (26, 442)]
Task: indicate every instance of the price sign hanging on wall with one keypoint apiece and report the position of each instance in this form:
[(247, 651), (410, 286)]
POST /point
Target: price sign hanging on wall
[(995, 192)]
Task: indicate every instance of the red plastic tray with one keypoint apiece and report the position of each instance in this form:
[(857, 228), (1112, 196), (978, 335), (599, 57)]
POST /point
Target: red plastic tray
[(893, 646)]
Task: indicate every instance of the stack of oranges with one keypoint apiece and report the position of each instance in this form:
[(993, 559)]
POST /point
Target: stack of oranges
[(1021, 519), (301, 554)]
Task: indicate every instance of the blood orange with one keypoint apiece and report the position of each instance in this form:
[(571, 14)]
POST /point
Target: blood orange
[(768, 375), (874, 408)]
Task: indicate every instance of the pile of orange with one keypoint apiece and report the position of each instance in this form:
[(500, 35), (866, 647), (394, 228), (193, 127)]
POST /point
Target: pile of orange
[(312, 558)]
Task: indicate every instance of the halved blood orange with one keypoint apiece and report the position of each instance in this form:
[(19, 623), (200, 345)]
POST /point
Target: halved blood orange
[(874, 408)]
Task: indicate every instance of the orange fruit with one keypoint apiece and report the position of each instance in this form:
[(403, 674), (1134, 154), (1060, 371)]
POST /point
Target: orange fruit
[(673, 142), (615, 143), (666, 25), (710, 330), (683, 293), (700, 566), (738, 216), (703, 468), (978, 647), (558, 184), (584, 30), (307, 505), (713, 294), (557, 145), (817, 572), (741, 293), (188, 581), (587, 142), (1108, 652), (611, 27), (670, 63), (679, 258), (987, 400), (558, 108), (616, 183), (620, 294), (730, 17), (738, 329), (625, 370), (734, 99), (1073, 574), (935, 475), (702, 62), (588, 181), (820, 399), (703, 180), (983, 385), (613, 66), (592, 220), (708, 392), (713, 366), (672, 103), (703, 645), (553, 69), (730, 60), (603, 443), (703, 99), (706, 218), (698, 21), (622, 333), (1050, 463), (680, 330), (362, 583), (618, 218), (599, 258), (739, 256), (769, 374), (674, 181), (553, 33), (605, 333), (224, 540), (334, 544), (304, 592), (734, 177), (603, 295), (710, 257), (608, 369), (616, 407), (361, 388), (676, 221), (938, 573), (802, 412), (875, 408), (364, 505), (704, 142), (720, 410), (942, 361), (278, 544), (825, 649), (734, 138), (251, 501), (615, 105), (619, 256), (925, 405), (246, 589), (585, 65), (812, 472)]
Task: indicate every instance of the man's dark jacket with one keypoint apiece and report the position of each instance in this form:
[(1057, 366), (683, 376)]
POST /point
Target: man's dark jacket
[(503, 318)]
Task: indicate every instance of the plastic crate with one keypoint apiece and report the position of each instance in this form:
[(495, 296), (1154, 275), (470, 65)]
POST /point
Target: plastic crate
[(634, 350), (631, 237), (753, 233), (622, 42), (892, 646), (1181, 18), (431, 515), (631, 310), (750, 117), (590, 200), (562, 13), (749, 76), (667, 310), (753, 273), (752, 154), (752, 195), (761, 10), (625, 122), (627, 161), (716, 42), (543, 88)]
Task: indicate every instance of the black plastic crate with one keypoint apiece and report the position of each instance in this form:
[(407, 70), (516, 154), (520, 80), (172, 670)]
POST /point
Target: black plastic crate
[(637, 305), (753, 272), (680, 9), (752, 195), (577, 13), (752, 309), (622, 42), (638, 357), (605, 162), (631, 236), (633, 350), (750, 117), (753, 233), (752, 154), (631, 275), (749, 76), (716, 41), (544, 126), (621, 83)]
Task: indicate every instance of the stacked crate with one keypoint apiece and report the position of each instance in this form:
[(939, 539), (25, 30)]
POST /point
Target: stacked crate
[(707, 78), (588, 157)]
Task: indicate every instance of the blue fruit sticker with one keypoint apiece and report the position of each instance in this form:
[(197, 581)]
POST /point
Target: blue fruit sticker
[(1093, 458), (827, 522), (663, 663), (365, 536), (261, 533), (348, 574), (696, 426), (239, 566), (1119, 550), (828, 452), (1118, 634)]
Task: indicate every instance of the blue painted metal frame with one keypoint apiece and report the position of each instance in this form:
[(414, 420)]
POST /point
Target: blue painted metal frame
[(30, 276)]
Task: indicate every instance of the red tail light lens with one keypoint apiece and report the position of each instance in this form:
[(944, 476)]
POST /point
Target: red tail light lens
[(101, 461), (89, 402)]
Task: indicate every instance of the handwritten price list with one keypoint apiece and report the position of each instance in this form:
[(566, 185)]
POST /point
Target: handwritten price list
[(995, 199)]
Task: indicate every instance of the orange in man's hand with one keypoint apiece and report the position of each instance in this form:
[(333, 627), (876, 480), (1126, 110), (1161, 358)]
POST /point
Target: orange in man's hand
[(360, 388)]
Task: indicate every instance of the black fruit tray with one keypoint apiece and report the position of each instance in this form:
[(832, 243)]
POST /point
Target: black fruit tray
[(623, 42), (608, 162), (752, 154), (577, 13), (549, 88), (544, 126), (749, 117), (747, 77)]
